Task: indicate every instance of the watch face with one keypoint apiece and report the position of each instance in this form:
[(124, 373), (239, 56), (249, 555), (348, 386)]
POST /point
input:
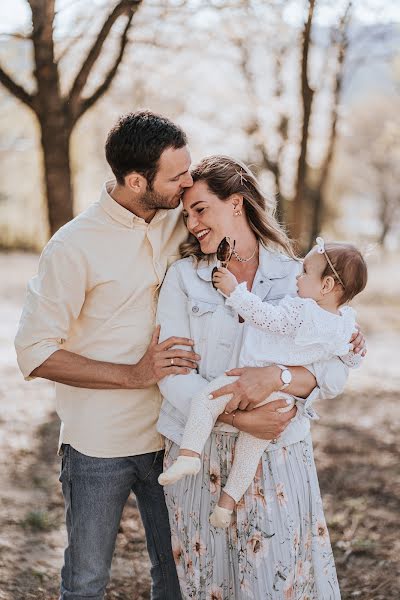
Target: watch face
[(286, 376)]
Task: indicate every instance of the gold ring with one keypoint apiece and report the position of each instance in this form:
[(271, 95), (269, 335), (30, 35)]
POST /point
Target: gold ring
[(172, 362)]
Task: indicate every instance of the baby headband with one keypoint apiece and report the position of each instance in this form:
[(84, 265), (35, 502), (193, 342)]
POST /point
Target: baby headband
[(321, 250)]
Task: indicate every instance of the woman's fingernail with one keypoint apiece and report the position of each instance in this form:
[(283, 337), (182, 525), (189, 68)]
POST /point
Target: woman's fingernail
[(210, 397)]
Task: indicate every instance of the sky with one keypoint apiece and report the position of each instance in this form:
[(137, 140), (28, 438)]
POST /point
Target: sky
[(15, 14)]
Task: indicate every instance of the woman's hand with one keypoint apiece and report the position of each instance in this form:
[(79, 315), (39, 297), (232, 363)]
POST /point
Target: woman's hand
[(358, 341), (224, 281), (254, 385), (265, 422)]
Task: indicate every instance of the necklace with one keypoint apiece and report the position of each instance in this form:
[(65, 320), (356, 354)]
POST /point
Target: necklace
[(244, 260)]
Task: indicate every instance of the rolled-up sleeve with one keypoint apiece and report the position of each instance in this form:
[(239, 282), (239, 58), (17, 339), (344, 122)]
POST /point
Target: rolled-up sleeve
[(172, 315), (331, 376), (54, 300)]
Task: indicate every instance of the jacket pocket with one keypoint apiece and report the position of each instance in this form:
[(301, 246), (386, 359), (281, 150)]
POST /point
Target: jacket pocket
[(198, 308), (213, 330)]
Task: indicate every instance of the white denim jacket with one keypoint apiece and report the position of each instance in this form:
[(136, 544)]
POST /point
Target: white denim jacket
[(190, 307)]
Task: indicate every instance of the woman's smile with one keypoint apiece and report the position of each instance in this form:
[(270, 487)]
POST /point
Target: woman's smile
[(201, 234)]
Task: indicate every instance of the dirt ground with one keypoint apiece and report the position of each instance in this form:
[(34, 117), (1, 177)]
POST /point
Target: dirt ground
[(357, 451)]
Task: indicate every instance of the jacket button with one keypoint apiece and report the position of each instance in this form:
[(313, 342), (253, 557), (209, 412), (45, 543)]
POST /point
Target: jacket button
[(195, 309)]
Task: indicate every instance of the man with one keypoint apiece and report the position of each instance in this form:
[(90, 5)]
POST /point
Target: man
[(88, 319), (88, 324)]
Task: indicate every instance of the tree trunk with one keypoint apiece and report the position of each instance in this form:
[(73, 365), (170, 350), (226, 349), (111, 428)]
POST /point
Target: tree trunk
[(55, 144), (53, 115), (385, 212), (307, 96), (317, 195)]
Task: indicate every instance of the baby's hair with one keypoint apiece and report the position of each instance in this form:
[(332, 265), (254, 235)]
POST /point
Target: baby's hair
[(351, 267)]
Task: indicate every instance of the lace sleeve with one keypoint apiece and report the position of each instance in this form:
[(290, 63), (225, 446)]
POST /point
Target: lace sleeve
[(352, 360), (284, 318)]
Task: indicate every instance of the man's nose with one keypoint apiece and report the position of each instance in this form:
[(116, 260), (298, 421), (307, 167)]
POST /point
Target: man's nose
[(187, 181)]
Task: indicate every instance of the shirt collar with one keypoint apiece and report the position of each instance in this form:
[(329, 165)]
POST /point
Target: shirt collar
[(123, 215), (272, 265)]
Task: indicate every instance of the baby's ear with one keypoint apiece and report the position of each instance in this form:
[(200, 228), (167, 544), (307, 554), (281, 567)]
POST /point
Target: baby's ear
[(328, 284)]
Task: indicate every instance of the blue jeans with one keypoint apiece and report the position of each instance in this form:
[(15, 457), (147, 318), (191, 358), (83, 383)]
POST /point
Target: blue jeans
[(95, 492)]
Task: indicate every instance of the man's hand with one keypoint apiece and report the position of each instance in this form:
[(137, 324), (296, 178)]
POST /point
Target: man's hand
[(264, 422), (358, 341), (162, 359), (254, 385)]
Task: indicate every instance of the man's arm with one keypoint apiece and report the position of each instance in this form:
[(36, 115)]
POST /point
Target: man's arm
[(54, 301), (78, 371)]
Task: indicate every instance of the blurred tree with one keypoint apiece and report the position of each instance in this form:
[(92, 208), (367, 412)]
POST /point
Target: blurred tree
[(284, 150), (301, 203), (340, 42), (58, 113), (373, 146)]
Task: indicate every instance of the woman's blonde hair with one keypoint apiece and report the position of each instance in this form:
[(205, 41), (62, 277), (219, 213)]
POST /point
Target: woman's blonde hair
[(225, 176)]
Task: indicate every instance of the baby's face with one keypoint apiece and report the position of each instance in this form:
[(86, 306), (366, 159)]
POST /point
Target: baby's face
[(309, 281)]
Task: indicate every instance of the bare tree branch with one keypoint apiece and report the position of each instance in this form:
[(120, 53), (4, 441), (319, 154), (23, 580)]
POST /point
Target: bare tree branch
[(123, 7), (86, 103), (17, 90), (17, 36)]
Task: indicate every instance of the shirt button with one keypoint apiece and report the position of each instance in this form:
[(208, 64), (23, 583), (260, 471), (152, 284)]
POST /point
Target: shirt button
[(195, 309), (261, 280)]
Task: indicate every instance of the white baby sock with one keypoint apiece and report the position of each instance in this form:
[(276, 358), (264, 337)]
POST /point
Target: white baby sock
[(184, 465), (221, 517)]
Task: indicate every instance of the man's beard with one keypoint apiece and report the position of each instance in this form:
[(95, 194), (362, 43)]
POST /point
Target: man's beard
[(153, 200)]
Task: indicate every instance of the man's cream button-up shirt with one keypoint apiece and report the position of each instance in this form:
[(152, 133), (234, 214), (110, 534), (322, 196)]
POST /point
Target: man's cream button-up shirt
[(95, 294)]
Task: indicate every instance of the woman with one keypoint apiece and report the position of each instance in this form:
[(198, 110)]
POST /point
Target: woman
[(278, 547)]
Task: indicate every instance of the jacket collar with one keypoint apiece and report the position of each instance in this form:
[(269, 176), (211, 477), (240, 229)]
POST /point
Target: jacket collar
[(272, 265)]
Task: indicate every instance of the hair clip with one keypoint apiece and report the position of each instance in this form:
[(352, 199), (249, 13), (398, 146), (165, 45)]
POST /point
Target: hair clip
[(241, 177)]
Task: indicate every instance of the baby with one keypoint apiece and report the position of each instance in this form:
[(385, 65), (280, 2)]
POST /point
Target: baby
[(311, 327)]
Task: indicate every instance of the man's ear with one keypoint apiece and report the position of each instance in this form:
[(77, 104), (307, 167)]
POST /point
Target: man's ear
[(136, 183), (328, 284)]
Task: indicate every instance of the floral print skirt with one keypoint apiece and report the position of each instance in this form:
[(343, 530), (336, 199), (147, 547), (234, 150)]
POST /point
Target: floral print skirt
[(277, 547)]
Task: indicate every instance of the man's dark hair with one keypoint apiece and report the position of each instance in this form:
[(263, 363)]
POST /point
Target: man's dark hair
[(136, 142)]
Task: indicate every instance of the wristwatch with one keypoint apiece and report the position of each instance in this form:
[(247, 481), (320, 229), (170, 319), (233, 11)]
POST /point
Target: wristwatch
[(286, 377)]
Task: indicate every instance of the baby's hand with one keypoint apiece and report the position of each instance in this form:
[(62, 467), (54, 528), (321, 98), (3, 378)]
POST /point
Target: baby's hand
[(225, 281)]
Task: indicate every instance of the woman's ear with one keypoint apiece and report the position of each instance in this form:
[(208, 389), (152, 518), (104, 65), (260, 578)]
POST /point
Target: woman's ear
[(328, 283), (237, 201)]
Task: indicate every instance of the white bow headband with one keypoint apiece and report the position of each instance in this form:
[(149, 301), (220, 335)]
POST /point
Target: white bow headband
[(321, 250)]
